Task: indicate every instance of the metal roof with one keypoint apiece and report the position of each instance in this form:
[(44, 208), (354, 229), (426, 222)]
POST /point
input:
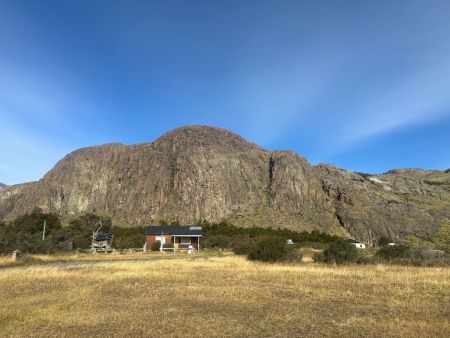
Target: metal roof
[(192, 230), (103, 236)]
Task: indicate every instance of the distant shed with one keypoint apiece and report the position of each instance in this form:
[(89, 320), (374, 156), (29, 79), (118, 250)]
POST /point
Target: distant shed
[(356, 244)]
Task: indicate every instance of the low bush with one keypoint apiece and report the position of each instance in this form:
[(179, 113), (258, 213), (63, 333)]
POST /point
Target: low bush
[(293, 255), (216, 241), (25, 233), (156, 246), (406, 255), (339, 253), (243, 249), (395, 251), (226, 236), (125, 238), (272, 249), (318, 257), (384, 241)]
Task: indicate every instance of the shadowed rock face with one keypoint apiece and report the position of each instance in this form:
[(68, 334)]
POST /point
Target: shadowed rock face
[(202, 173), (368, 210), (2, 186)]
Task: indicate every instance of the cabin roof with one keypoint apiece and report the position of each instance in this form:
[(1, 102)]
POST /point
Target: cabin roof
[(192, 230), (103, 237)]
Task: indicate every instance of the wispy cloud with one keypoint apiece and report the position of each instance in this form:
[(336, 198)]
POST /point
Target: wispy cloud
[(422, 97), (35, 123), (277, 92), (349, 84), (294, 75), (26, 154)]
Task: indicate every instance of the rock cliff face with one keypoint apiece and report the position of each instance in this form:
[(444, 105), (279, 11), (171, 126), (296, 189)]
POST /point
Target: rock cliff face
[(2, 186), (367, 209), (202, 173)]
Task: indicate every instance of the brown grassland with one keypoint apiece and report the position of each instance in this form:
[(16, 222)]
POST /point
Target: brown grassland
[(210, 296)]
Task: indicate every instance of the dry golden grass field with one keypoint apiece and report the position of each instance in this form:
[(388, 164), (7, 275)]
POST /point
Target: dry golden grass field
[(220, 297)]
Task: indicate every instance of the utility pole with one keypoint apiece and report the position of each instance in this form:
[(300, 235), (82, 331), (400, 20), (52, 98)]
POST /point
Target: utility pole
[(43, 231)]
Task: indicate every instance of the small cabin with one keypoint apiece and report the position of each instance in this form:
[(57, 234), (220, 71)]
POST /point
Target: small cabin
[(175, 237), (356, 244)]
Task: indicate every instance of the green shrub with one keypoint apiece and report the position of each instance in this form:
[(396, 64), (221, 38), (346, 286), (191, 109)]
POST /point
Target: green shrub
[(395, 251), (25, 233), (224, 235), (156, 246), (318, 257), (406, 255), (128, 237), (293, 254), (340, 253), (384, 241), (272, 249), (216, 241), (242, 249), (82, 227)]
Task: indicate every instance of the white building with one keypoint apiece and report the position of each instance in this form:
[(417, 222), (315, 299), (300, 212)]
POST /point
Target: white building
[(356, 244)]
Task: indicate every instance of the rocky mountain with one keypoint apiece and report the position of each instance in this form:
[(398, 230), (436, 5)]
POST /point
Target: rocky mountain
[(203, 173), (2, 186)]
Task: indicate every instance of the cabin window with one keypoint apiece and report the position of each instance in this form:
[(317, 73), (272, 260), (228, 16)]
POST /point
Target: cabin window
[(185, 240)]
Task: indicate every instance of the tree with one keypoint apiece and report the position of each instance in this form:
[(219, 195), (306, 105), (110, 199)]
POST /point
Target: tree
[(82, 228), (25, 233), (272, 249), (339, 253), (395, 251), (128, 237), (384, 241), (156, 246)]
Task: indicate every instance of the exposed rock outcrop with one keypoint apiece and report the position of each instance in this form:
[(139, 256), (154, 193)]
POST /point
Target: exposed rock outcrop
[(369, 210), (203, 173)]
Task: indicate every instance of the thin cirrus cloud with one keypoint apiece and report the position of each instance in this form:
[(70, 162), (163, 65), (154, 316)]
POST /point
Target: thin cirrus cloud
[(421, 98), (25, 153), (36, 123), (349, 84), (272, 102), (27, 96), (321, 78)]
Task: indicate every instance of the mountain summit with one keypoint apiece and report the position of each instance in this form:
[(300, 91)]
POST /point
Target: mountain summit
[(197, 173)]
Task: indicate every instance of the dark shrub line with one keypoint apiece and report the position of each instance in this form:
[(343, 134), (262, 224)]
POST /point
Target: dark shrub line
[(273, 249)]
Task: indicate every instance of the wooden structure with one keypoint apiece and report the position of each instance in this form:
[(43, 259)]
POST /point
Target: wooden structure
[(101, 241), (16, 256), (174, 237)]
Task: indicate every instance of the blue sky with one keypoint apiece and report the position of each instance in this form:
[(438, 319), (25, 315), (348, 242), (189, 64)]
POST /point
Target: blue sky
[(364, 85)]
